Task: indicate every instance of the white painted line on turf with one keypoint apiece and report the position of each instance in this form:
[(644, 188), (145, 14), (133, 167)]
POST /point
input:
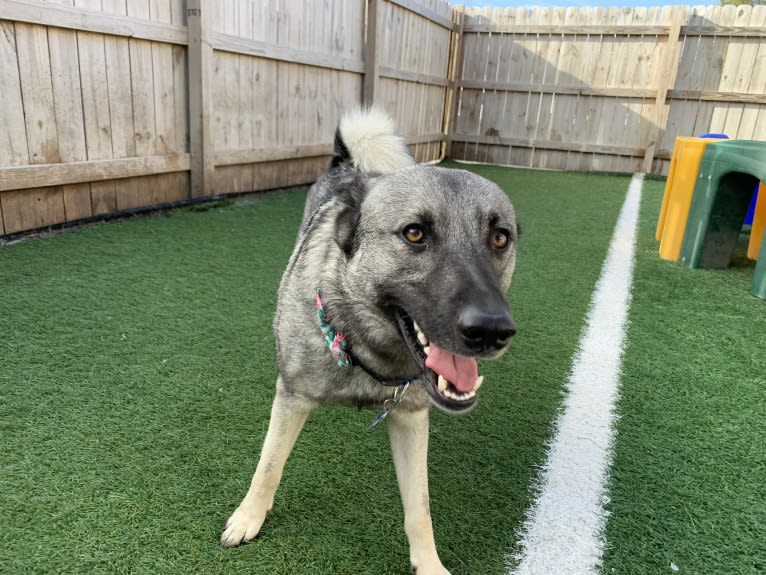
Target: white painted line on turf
[(563, 533)]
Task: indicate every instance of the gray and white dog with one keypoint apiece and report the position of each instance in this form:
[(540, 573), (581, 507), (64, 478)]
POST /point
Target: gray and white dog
[(395, 288)]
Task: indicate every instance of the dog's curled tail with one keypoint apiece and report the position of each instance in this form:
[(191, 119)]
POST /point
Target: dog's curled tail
[(366, 140)]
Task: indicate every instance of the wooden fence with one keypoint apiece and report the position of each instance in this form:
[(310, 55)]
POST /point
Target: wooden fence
[(113, 105), (607, 89)]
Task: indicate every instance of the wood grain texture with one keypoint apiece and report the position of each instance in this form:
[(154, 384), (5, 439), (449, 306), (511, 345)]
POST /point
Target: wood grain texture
[(115, 104), (607, 80)]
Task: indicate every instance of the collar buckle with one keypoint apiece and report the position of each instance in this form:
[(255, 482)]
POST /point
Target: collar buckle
[(390, 405)]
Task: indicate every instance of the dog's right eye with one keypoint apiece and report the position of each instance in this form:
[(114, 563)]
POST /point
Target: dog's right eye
[(414, 234)]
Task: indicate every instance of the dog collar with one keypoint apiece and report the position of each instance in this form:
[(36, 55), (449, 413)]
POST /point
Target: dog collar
[(338, 345), (336, 340)]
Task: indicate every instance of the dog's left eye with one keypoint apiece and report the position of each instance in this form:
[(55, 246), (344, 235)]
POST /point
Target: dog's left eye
[(499, 239), (414, 234)]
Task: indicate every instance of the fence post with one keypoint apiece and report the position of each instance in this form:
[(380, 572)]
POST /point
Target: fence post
[(371, 53), (455, 71), (200, 69), (666, 77)]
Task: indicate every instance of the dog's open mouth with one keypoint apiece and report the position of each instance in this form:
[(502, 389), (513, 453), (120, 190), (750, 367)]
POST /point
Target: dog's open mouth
[(451, 380)]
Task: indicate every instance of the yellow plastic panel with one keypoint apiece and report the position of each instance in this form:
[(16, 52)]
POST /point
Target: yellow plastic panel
[(679, 189)]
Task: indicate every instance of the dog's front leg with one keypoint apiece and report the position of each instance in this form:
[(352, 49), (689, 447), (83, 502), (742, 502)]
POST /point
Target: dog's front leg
[(408, 432), (288, 414)]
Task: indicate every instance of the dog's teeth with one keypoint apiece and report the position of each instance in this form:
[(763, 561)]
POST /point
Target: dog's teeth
[(449, 394), (419, 332), (479, 381), (442, 384), (426, 350)]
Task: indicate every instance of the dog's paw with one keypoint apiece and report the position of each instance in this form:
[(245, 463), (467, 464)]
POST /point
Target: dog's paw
[(242, 526)]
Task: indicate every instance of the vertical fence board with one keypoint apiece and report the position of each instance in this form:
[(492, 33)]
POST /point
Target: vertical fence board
[(37, 92), (579, 120), (472, 69), (372, 51), (265, 100), (528, 66), (96, 115), (144, 118), (200, 62), (565, 113), (682, 114), (550, 51), (721, 79), (241, 95), (739, 74), (162, 78), (117, 195), (245, 129), (709, 71), (552, 107), (44, 206), (228, 91), (666, 74), (70, 125), (754, 117), (500, 58), (13, 136)]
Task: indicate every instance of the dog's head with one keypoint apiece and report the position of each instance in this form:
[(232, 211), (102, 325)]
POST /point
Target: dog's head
[(434, 250)]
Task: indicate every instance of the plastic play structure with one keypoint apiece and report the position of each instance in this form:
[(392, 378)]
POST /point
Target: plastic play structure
[(708, 195)]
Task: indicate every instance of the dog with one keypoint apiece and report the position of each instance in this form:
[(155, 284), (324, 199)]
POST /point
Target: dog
[(396, 286)]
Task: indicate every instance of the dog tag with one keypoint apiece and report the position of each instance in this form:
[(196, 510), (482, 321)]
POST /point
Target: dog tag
[(390, 404), (382, 414)]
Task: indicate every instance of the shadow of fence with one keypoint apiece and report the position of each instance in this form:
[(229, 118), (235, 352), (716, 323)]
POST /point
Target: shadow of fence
[(606, 89), (133, 105)]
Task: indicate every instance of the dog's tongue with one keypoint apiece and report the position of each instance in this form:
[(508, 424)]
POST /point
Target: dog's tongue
[(459, 370)]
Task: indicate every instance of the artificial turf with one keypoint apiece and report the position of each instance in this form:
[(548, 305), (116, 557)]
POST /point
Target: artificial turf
[(138, 369), (688, 489)]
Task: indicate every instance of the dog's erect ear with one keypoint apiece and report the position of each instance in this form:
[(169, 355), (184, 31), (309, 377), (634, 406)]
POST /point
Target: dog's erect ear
[(341, 154), (345, 229), (350, 193)]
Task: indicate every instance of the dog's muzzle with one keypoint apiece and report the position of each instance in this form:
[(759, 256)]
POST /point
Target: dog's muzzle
[(452, 380)]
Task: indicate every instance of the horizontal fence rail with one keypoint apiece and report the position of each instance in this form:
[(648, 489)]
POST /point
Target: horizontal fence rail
[(115, 105), (606, 89)]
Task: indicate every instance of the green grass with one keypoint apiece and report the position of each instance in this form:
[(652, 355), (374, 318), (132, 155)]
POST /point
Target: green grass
[(138, 370), (689, 477)]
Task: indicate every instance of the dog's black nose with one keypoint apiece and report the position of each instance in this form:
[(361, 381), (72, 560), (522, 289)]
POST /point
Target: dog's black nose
[(485, 330)]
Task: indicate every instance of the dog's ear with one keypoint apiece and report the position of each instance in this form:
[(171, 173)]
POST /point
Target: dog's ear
[(341, 157), (350, 194), (345, 229)]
